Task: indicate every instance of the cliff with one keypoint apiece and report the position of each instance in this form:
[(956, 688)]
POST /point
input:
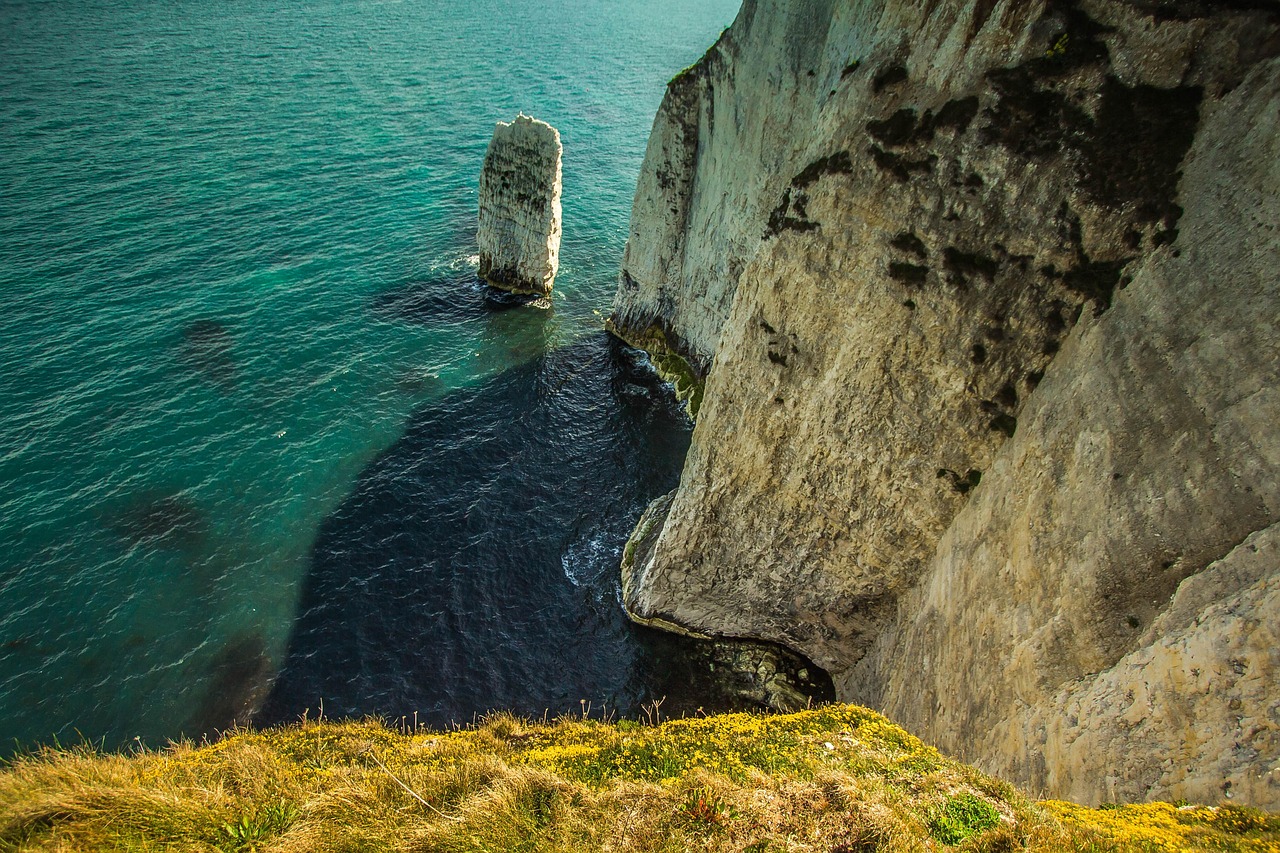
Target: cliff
[(985, 297), (519, 221)]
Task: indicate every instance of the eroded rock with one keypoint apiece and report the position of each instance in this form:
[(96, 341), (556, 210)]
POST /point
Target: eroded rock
[(519, 227)]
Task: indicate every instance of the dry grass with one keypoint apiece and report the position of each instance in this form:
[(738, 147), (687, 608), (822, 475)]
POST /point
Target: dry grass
[(838, 779)]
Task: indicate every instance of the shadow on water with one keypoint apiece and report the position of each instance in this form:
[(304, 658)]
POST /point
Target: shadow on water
[(456, 297), (474, 566)]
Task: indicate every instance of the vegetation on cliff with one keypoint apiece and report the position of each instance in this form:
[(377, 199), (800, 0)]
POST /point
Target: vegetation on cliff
[(665, 356), (838, 778)]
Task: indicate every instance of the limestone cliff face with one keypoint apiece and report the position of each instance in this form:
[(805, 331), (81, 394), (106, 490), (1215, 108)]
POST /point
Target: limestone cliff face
[(717, 158), (987, 297), (519, 227)]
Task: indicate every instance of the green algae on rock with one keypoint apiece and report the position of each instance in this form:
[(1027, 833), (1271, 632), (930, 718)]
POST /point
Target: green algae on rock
[(666, 355)]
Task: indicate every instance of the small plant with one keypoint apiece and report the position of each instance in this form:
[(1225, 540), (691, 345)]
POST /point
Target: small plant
[(703, 805), (1059, 47), (653, 711), (960, 817), (252, 832), (1238, 820)]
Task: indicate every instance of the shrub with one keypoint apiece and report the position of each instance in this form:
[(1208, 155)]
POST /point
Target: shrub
[(960, 817)]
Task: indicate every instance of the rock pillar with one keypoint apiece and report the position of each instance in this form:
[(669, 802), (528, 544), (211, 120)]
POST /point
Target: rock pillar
[(519, 231)]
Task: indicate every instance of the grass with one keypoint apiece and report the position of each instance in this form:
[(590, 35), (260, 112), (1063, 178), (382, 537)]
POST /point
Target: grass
[(837, 779)]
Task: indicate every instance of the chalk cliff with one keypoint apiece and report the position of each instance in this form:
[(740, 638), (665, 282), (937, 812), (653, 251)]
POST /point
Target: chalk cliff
[(986, 297), (519, 228)]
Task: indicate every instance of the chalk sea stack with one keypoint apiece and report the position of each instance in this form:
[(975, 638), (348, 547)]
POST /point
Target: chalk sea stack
[(519, 231)]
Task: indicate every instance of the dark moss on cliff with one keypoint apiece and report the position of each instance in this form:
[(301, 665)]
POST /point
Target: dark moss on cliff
[(1004, 423), (1135, 148), (896, 130), (792, 214), (901, 168), (957, 114), (962, 484), (911, 274), (1096, 281), (967, 265), (832, 164), (789, 215), (888, 77), (1030, 120), (908, 242)]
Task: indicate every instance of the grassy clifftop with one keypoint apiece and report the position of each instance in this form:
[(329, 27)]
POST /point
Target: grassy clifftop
[(838, 779)]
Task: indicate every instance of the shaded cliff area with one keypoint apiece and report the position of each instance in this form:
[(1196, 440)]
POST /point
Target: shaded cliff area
[(986, 304)]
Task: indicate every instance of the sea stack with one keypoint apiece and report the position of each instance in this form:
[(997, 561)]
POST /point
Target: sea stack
[(519, 231)]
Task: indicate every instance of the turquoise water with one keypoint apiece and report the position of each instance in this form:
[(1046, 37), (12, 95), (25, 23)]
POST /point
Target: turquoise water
[(216, 220)]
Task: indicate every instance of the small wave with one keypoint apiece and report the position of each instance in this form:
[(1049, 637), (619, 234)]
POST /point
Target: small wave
[(585, 560), (467, 260)]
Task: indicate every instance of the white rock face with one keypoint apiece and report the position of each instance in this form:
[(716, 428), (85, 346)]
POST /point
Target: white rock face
[(717, 159), (988, 297), (519, 230)]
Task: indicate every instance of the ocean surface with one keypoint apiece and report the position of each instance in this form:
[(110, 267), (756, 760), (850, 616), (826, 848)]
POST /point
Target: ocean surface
[(264, 441)]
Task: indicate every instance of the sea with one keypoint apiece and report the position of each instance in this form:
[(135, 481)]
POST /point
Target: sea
[(266, 443)]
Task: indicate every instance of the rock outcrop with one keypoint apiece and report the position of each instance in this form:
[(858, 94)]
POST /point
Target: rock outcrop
[(519, 230), (987, 300)]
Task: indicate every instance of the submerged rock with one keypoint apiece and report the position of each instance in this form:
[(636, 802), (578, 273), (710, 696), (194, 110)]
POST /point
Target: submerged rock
[(159, 518), (206, 348), (519, 227)]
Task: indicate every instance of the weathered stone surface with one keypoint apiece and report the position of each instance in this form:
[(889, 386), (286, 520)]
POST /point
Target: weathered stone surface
[(987, 298), (716, 160), (519, 230), (1191, 714), (1151, 449)]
